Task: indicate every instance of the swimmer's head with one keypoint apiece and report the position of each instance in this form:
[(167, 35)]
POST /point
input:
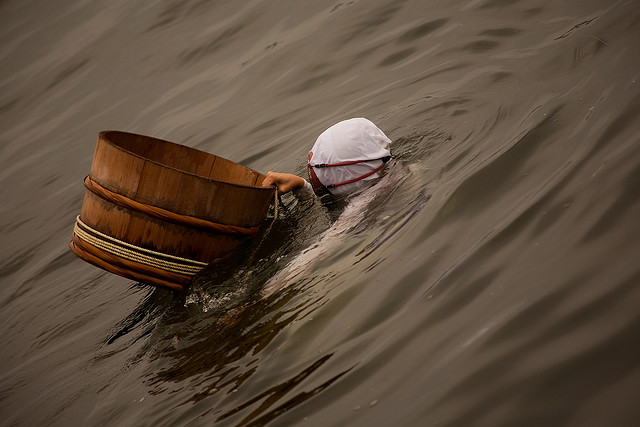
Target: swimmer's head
[(348, 157)]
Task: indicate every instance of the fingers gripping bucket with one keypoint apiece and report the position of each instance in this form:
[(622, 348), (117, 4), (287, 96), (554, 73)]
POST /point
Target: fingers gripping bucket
[(158, 212)]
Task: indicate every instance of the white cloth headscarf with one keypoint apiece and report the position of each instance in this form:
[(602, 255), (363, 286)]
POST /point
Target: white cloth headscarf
[(350, 140)]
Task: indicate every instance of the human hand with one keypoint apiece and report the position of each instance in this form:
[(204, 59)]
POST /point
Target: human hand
[(285, 182)]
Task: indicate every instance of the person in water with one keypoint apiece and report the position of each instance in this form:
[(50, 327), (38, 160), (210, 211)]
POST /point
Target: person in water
[(346, 158)]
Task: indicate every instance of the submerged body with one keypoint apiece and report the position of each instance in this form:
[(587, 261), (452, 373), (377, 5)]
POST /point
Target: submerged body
[(361, 211), (346, 160)]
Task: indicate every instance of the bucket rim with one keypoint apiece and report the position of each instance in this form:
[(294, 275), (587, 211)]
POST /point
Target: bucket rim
[(104, 136)]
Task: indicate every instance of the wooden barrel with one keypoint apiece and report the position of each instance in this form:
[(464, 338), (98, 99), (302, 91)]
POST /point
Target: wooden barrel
[(157, 212)]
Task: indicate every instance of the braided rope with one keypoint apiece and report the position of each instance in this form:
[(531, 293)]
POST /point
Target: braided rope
[(135, 253), (275, 205), (126, 268), (164, 214)]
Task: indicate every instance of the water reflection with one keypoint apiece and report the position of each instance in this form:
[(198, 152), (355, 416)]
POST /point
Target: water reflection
[(272, 395)]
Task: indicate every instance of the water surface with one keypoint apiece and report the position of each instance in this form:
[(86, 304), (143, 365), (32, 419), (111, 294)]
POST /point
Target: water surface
[(493, 280)]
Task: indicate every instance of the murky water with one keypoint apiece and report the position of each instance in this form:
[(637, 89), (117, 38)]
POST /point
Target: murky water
[(491, 279)]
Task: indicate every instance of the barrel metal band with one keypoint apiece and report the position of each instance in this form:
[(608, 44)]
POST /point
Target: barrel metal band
[(164, 214), (135, 253)]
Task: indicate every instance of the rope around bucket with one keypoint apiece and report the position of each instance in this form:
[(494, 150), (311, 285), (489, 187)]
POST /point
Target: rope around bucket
[(164, 214), (142, 264), (135, 253)]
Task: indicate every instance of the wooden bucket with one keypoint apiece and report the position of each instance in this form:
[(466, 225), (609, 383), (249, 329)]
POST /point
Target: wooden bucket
[(157, 212)]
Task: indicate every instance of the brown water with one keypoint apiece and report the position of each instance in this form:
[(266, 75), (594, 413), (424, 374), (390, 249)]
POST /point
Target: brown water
[(495, 281)]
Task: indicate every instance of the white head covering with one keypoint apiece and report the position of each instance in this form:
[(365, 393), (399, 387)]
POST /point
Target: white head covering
[(350, 140)]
